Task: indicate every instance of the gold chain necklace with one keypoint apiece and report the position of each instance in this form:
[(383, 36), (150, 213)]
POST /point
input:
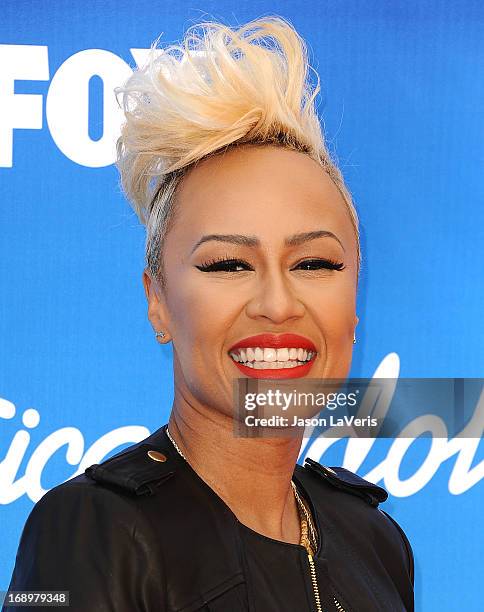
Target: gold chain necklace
[(177, 448), (309, 537)]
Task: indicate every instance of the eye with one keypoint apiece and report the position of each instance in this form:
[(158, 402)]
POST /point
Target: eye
[(318, 264), (224, 265)]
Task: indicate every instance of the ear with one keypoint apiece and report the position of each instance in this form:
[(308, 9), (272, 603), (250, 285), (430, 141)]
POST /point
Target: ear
[(357, 319), (157, 310)]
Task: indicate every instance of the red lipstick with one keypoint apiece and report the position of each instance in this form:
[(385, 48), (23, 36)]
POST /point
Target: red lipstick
[(276, 341), (273, 341)]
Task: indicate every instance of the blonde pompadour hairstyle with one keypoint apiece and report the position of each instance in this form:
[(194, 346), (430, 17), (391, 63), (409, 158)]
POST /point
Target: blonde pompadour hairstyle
[(219, 88)]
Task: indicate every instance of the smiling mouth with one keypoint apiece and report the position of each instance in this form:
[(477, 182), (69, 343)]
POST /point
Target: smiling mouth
[(260, 358)]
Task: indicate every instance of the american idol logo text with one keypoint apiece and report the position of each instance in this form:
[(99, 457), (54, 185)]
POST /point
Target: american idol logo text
[(462, 448)]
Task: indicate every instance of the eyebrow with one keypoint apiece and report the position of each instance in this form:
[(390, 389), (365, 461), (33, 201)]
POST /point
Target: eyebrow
[(253, 241)]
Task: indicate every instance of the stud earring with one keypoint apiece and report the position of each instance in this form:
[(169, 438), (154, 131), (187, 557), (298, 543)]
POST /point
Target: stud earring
[(160, 334), (354, 337)]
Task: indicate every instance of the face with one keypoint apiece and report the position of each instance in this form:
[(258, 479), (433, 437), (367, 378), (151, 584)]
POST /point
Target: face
[(262, 243)]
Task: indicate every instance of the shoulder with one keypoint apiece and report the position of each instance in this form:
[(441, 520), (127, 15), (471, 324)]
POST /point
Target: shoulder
[(68, 522), (353, 503), (78, 500), (139, 470), (71, 516), (84, 536), (108, 495), (342, 479)]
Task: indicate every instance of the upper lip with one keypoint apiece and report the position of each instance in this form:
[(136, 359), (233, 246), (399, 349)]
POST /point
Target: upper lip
[(275, 341)]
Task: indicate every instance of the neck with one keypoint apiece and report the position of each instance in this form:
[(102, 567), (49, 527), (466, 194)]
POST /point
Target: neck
[(251, 475)]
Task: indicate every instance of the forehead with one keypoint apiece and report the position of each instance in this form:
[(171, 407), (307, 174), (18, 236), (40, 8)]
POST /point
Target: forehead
[(264, 191)]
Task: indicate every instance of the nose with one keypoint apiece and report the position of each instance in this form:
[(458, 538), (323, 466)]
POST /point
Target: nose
[(274, 299)]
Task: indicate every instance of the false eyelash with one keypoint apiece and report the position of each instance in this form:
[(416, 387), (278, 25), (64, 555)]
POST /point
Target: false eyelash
[(331, 264), (206, 265)]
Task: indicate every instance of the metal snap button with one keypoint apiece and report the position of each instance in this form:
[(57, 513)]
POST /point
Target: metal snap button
[(156, 456)]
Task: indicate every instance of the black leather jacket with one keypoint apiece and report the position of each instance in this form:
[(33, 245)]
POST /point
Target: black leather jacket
[(135, 534)]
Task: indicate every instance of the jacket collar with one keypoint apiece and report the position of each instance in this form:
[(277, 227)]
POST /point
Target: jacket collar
[(143, 467)]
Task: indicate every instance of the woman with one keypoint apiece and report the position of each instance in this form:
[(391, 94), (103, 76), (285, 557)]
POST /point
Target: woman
[(252, 258)]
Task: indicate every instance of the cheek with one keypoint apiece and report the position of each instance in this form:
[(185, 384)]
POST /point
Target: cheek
[(200, 314), (199, 319), (333, 306), (335, 318)]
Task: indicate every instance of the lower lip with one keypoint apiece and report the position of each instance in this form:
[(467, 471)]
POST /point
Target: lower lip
[(295, 372)]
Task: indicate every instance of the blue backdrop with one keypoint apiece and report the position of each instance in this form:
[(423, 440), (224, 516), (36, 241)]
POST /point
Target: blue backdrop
[(81, 375)]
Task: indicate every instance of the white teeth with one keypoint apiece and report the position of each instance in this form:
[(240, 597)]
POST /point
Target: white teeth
[(283, 354), (264, 358), (274, 365), (270, 354), (258, 354)]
